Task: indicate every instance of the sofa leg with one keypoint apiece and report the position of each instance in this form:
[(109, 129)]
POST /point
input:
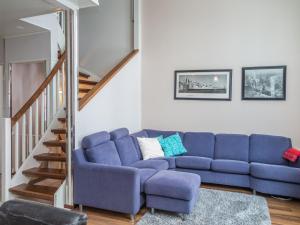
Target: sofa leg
[(132, 218), (254, 192), (80, 208), (152, 211)]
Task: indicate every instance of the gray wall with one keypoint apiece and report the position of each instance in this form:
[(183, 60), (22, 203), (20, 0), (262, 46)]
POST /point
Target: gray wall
[(214, 34), (1, 51), (1, 74), (105, 35)]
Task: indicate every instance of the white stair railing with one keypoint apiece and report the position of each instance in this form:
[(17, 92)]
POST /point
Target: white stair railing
[(29, 124)]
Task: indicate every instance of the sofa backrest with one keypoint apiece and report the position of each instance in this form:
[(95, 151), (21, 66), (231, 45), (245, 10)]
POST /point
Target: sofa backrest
[(199, 144), (125, 146), (157, 133), (232, 146), (268, 149), (134, 136), (100, 149)]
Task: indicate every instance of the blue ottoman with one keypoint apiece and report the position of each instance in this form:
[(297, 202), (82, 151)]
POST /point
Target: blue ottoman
[(172, 191)]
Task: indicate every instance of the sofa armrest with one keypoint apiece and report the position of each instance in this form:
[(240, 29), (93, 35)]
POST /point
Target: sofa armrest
[(115, 188), (3, 219), (17, 212)]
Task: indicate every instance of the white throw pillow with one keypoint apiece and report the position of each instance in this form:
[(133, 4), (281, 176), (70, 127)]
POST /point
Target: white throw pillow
[(150, 148)]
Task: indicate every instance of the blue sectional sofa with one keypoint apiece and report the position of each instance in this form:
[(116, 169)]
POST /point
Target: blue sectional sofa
[(109, 172)]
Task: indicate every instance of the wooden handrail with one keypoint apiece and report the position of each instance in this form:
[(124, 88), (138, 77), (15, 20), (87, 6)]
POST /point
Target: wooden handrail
[(39, 91), (101, 84)]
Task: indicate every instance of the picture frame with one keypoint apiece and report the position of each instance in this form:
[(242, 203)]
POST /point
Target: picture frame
[(264, 83), (203, 84)]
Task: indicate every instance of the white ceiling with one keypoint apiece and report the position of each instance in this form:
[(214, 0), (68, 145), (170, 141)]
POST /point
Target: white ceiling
[(13, 10)]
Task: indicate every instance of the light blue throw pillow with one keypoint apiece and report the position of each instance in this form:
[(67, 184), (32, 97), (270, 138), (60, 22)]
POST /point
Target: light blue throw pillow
[(172, 145)]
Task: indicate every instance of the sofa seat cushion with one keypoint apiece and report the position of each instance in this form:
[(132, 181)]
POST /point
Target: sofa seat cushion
[(275, 172), (145, 174), (173, 184), (151, 164), (170, 160), (230, 166), (193, 162)]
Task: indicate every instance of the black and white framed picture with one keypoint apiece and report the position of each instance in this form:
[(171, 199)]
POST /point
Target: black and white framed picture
[(264, 83), (203, 84)]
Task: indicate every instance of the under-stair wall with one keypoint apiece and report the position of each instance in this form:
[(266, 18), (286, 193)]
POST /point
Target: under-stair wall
[(118, 104)]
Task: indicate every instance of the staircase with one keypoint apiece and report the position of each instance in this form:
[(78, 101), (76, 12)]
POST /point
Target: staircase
[(45, 181), (85, 85), (39, 141)]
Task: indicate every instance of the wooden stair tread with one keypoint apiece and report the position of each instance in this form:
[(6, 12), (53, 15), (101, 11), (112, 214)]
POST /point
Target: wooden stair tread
[(54, 157), (59, 131), (81, 81), (35, 191), (84, 90), (83, 75), (62, 120), (55, 143), (59, 174)]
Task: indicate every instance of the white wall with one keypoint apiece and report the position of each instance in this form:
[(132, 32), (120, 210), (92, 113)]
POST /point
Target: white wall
[(105, 35), (214, 34), (117, 105), (57, 37), (29, 48)]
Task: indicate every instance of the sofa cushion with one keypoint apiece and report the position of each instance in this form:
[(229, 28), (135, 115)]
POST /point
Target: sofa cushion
[(150, 148), (193, 162), (268, 149), (134, 136), (119, 133), (145, 174), (170, 160), (172, 145), (125, 146), (157, 133), (105, 153), (199, 144), (173, 184), (232, 146), (95, 139), (275, 172), (151, 164), (230, 166)]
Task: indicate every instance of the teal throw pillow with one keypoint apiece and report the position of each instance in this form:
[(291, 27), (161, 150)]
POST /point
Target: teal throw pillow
[(172, 145)]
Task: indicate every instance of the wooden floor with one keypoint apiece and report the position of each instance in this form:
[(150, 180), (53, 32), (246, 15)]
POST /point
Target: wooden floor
[(282, 212)]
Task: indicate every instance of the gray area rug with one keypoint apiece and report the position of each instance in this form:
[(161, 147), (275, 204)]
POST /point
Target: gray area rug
[(217, 208)]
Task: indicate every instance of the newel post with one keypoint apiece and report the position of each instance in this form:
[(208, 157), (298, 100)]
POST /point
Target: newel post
[(5, 153)]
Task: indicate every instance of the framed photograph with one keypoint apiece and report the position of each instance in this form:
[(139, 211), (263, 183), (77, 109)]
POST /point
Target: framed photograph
[(264, 83), (203, 85)]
